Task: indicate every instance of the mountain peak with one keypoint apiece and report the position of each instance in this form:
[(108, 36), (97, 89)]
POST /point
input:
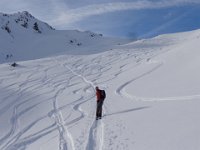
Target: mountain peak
[(25, 14), (22, 21)]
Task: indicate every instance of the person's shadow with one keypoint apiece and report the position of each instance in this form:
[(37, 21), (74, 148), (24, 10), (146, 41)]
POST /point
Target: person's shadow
[(128, 110)]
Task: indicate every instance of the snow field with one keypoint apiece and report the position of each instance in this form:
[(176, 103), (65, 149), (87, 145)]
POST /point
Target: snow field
[(50, 103)]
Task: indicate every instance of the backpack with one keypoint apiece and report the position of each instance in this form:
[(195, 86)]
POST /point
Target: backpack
[(103, 94)]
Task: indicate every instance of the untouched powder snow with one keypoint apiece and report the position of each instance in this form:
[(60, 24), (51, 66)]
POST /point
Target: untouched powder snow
[(152, 101)]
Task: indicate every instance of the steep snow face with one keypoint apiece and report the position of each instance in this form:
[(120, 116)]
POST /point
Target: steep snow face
[(23, 37), (152, 98)]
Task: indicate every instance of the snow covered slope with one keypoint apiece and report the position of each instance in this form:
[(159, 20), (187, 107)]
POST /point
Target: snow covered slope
[(152, 102), (23, 37)]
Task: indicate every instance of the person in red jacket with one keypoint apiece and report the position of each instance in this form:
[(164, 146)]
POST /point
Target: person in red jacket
[(100, 95)]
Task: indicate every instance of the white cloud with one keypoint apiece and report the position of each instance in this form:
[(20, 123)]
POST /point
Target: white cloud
[(13, 6), (59, 14), (73, 15)]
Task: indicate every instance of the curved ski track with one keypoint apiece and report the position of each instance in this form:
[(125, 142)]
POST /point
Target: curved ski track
[(48, 86), (94, 127)]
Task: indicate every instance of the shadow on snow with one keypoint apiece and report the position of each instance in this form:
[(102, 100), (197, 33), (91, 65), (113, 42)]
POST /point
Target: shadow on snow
[(127, 111)]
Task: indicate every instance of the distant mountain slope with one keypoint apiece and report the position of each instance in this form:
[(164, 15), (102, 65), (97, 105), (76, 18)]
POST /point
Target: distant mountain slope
[(24, 37)]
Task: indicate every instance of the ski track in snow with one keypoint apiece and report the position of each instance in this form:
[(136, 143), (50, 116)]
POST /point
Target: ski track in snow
[(79, 77), (121, 90), (96, 131), (16, 115), (92, 134), (12, 140)]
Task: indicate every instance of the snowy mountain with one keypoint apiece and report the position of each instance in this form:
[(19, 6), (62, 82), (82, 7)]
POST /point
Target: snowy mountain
[(22, 20), (152, 87), (23, 37)]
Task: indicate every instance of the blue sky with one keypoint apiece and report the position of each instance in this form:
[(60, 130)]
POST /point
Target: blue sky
[(123, 18)]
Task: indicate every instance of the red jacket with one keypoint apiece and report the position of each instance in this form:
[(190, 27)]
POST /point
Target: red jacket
[(98, 95)]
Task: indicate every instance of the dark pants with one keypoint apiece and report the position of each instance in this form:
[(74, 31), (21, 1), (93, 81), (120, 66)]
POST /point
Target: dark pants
[(99, 108)]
